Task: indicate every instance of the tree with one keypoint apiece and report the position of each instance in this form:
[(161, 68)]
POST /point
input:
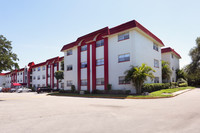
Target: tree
[(7, 57), (138, 75), (62, 65), (180, 74), (59, 75), (193, 69), (166, 71)]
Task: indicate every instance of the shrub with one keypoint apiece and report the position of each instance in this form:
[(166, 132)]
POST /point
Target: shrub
[(183, 85), (155, 86), (73, 89), (109, 86), (64, 91), (173, 84)]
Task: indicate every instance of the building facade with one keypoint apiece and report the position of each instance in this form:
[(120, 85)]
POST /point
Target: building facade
[(35, 75), (172, 57), (100, 58)]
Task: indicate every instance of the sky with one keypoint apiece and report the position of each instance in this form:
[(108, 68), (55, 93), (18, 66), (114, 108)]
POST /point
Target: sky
[(38, 29)]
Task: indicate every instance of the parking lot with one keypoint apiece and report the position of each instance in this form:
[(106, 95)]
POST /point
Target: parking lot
[(38, 113)]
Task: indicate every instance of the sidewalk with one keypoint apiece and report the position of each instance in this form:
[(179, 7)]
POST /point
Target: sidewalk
[(180, 92)]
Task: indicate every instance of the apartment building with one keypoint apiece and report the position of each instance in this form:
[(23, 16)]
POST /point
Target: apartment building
[(100, 58), (34, 75), (172, 57)]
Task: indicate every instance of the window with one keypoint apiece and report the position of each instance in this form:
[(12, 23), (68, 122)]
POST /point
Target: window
[(34, 78), (17, 73), (38, 68), (123, 36), (100, 81), (43, 76), (43, 85), (100, 43), (173, 68), (62, 85), (69, 52), (123, 81), (49, 66), (18, 81), (48, 75), (43, 68), (69, 83), (69, 67), (84, 82), (34, 69), (155, 46), (124, 57), (172, 56), (156, 80), (156, 63), (21, 73), (100, 62), (38, 85), (83, 64), (38, 77), (55, 64), (84, 48)]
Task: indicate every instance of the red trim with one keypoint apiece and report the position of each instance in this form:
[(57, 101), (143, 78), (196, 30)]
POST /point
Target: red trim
[(53, 75), (46, 75), (169, 49), (57, 70), (2, 74), (79, 68), (106, 80), (50, 76), (106, 31), (94, 66), (88, 67)]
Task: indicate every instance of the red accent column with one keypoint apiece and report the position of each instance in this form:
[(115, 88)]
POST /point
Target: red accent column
[(79, 68), (16, 77), (106, 63), (50, 76), (57, 70), (46, 75), (53, 76), (88, 67), (93, 66)]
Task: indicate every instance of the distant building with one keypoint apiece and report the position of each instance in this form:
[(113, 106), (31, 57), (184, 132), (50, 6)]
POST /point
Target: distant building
[(172, 57)]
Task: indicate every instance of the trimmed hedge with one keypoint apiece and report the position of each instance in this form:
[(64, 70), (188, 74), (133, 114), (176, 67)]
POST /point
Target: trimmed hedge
[(155, 87), (183, 85)]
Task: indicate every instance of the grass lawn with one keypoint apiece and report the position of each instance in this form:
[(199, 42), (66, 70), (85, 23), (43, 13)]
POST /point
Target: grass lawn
[(156, 94)]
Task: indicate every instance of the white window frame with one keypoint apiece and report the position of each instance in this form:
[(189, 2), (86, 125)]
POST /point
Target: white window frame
[(100, 81), (99, 62), (83, 82), (83, 48), (100, 43), (155, 47), (69, 52), (156, 63), (123, 36), (123, 58)]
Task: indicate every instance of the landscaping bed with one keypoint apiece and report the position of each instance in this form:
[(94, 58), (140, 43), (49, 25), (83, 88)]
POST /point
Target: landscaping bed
[(164, 93)]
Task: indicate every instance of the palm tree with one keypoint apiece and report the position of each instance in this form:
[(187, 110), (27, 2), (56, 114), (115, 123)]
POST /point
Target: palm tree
[(166, 71), (138, 75)]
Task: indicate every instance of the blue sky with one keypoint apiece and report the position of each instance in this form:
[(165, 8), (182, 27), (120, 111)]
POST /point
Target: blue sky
[(39, 28)]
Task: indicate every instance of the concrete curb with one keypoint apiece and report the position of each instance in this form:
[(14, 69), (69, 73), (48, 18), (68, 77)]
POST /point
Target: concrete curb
[(173, 95)]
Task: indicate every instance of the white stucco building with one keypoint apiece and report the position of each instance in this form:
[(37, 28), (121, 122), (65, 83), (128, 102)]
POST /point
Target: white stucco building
[(100, 58), (34, 75), (172, 57)]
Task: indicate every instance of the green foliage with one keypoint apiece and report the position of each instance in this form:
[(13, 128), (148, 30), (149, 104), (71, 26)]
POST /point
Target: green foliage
[(193, 69), (181, 81), (109, 86), (166, 71), (7, 57), (62, 65), (59, 75), (138, 75), (180, 74), (73, 89), (173, 84), (183, 85), (155, 87)]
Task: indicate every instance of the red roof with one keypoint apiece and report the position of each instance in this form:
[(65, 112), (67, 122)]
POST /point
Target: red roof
[(2, 74), (107, 31), (168, 49), (40, 64)]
